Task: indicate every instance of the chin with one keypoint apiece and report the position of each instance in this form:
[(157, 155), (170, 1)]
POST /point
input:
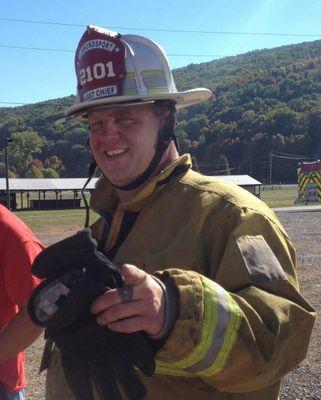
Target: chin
[(122, 181), (119, 182)]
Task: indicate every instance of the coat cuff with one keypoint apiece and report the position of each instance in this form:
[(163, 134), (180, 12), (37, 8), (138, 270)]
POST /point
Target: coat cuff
[(206, 330)]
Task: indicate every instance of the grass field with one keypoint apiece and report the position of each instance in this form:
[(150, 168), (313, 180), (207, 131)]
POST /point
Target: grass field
[(272, 195), (279, 195), (52, 225), (38, 218)]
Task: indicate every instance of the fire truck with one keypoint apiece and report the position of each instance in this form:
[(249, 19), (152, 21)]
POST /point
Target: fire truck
[(309, 182)]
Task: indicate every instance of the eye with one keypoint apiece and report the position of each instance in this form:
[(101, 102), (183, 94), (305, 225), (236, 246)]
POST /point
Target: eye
[(95, 126), (126, 120)]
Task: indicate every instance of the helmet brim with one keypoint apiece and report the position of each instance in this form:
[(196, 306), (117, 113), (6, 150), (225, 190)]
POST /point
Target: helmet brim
[(182, 99)]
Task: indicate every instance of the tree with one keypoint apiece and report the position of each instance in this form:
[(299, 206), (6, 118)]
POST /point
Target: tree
[(28, 142), (36, 162), (3, 171), (77, 161), (314, 127), (49, 173), (194, 126), (34, 172), (222, 165), (54, 164), (14, 124), (25, 144)]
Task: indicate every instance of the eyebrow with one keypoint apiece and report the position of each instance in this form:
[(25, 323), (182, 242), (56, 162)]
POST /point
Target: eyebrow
[(121, 113)]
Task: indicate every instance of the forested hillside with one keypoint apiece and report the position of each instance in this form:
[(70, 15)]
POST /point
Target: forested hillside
[(265, 101)]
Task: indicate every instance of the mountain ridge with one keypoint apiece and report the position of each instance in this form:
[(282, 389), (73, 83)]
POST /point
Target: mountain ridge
[(264, 101)]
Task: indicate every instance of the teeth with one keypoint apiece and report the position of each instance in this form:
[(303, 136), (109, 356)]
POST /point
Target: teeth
[(112, 153)]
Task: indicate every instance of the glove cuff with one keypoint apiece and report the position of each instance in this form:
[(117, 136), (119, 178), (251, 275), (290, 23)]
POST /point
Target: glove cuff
[(171, 310)]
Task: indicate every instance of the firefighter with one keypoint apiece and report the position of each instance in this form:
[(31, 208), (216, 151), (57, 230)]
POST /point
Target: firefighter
[(209, 272)]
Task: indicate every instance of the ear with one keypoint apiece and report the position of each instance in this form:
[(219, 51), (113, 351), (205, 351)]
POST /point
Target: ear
[(163, 117), (175, 120), (165, 113)]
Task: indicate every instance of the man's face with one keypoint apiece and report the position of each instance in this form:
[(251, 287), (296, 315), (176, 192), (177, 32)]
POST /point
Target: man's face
[(123, 141)]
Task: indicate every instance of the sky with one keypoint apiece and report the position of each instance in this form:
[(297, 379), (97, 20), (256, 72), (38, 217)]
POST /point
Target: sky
[(38, 37)]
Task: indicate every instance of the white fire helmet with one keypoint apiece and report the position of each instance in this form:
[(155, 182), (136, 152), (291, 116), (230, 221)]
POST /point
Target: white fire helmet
[(114, 69)]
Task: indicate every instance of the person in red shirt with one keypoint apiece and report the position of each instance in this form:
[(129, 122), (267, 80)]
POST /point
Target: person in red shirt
[(18, 248)]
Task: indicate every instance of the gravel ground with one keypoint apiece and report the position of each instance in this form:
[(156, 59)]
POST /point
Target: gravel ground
[(304, 383), (304, 228)]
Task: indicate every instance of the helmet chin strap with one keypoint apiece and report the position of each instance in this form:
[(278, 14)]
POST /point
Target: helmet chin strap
[(165, 136), (91, 171)]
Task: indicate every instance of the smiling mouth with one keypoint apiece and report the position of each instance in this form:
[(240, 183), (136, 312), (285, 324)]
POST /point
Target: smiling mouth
[(115, 153)]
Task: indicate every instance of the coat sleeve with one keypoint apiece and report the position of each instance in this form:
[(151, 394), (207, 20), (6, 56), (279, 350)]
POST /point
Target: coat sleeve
[(243, 325)]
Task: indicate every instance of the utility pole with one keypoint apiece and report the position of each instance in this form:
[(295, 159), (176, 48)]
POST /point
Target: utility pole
[(6, 142), (271, 155)]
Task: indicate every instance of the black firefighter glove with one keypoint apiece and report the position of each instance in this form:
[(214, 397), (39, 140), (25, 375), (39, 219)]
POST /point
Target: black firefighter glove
[(75, 274)]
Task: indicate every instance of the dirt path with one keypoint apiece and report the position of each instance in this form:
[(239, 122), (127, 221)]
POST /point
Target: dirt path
[(304, 383)]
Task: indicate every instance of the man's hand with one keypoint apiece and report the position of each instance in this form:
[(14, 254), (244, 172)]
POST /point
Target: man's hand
[(77, 273), (138, 306)]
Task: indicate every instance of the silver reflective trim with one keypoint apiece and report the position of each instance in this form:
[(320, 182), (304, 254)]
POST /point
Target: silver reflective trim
[(46, 300), (130, 84), (157, 81), (223, 319)]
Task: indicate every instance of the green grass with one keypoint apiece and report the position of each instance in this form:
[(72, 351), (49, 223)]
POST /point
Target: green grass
[(279, 195), (38, 219)]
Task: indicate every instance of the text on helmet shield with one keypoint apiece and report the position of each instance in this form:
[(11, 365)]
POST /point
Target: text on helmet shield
[(96, 44), (100, 93), (96, 71), (100, 66)]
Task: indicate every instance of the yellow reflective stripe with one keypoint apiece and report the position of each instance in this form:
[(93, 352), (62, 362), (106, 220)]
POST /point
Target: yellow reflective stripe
[(154, 90), (210, 320), (130, 75), (222, 318), (153, 73), (165, 369)]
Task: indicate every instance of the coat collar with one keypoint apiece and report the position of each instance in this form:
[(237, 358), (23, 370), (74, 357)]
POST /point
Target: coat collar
[(104, 196)]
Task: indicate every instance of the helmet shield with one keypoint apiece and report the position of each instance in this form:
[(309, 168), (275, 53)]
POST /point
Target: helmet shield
[(100, 66)]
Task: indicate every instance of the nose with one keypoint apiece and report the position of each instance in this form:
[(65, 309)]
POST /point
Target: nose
[(109, 129)]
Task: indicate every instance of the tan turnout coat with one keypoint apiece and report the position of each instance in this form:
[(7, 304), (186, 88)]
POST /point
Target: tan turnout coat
[(243, 323)]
